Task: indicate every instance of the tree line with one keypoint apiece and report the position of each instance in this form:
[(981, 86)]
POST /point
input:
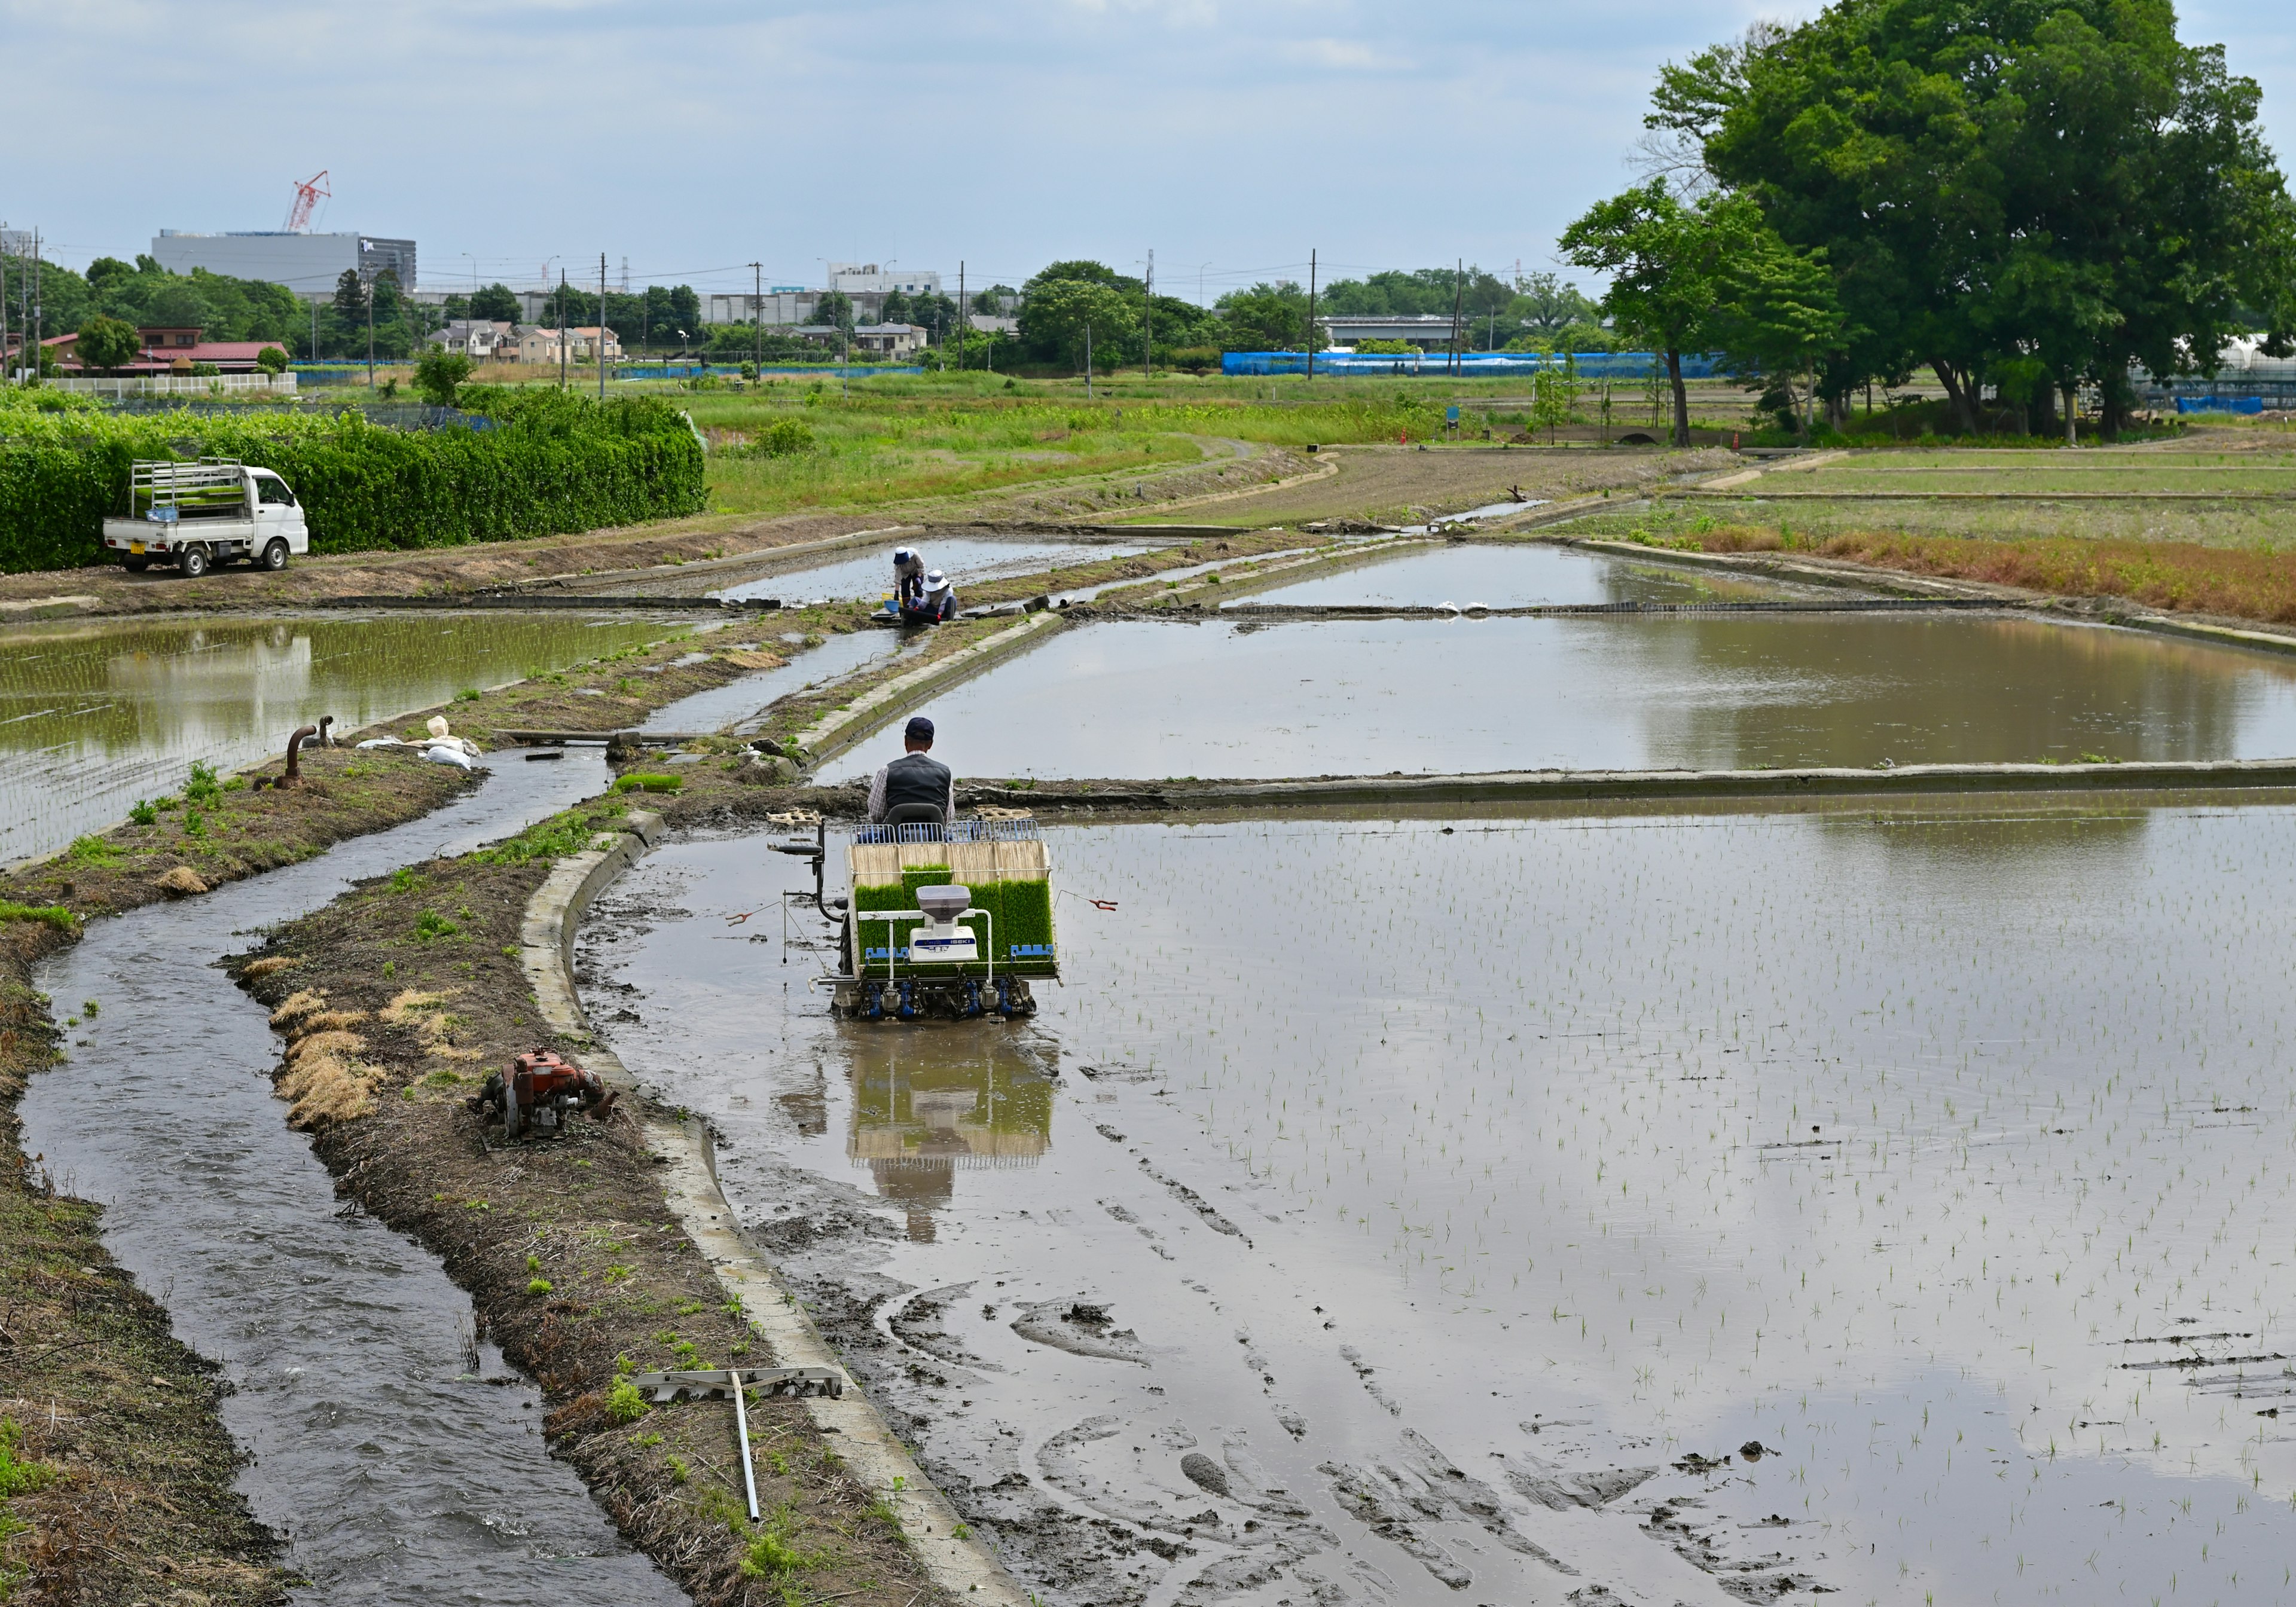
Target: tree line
[(2024, 197)]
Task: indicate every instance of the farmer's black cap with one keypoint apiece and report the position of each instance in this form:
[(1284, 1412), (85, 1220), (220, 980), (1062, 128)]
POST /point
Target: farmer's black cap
[(920, 729)]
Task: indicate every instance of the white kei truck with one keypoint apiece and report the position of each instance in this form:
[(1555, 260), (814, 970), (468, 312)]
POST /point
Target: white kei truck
[(196, 515)]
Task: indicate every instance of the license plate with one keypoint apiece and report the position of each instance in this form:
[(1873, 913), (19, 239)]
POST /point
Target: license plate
[(134, 547)]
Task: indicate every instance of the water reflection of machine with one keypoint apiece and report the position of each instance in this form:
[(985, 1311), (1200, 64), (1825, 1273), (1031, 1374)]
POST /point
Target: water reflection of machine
[(919, 1119)]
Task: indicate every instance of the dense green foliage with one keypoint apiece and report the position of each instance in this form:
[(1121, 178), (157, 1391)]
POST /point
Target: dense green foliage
[(1675, 270), (2019, 194), (147, 296), (439, 373), (555, 463), (106, 342)]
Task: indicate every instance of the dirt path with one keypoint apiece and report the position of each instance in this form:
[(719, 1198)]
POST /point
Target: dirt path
[(1397, 485)]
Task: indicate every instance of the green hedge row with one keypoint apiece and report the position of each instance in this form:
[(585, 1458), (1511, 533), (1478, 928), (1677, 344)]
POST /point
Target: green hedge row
[(553, 464)]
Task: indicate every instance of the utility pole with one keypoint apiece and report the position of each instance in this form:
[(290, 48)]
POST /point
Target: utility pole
[(1148, 322), (757, 307), (1088, 362), (37, 322), (370, 331), (601, 353), (963, 313), (562, 329), (3, 318), (1458, 301), (1311, 315)]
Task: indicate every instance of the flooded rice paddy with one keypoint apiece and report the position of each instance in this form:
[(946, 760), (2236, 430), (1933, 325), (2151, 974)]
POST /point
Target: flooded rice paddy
[(95, 716), (870, 575), (399, 1457), (1501, 577), (1613, 1209), (1155, 700)]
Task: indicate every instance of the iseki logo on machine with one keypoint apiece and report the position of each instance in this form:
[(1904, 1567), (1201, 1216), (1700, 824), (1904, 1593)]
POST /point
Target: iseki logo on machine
[(939, 937)]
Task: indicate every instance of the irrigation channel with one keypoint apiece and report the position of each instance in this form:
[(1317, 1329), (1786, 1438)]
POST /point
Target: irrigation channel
[(1611, 1207), (399, 1455)]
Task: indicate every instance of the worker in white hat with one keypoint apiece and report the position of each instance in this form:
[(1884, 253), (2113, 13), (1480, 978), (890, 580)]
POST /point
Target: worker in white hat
[(939, 602)]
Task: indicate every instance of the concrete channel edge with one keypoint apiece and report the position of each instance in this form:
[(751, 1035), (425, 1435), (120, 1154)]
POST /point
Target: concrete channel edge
[(954, 1559)]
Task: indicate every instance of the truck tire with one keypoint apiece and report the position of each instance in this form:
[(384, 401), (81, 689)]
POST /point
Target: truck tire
[(274, 556), (136, 566), (193, 562)]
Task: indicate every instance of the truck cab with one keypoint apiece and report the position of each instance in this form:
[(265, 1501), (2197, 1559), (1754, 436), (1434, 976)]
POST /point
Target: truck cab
[(196, 515)]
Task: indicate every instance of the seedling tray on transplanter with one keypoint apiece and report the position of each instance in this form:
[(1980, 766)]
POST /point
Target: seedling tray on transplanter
[(1003, 862)]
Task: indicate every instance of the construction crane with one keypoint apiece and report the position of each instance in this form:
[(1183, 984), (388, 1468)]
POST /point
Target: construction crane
[(308, 194)]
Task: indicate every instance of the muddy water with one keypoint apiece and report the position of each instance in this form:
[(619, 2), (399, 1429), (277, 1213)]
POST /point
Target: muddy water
[(737, 705), (95, 716), (1511, 576), (1520, 1208), (403, 1463), (870, 575), (1737, 692)]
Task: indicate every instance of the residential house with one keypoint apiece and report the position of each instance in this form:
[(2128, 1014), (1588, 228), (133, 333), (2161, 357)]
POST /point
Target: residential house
[(888, 340), (542, 345), (478, 339), (171, 350)]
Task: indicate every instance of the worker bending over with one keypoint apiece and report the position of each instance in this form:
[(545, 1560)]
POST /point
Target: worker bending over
[(916, 778), (935, 602), (908, 578)]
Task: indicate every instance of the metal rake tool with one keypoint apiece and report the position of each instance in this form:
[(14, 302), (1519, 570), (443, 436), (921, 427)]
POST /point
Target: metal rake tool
[(703, 1383)]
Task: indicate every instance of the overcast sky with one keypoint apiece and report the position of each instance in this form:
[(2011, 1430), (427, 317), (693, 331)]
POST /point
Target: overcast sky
[(689, 139)]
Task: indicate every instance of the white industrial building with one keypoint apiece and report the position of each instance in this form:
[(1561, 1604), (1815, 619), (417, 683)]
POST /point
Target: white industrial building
[(867, 279), (310, 265), (787, 306)]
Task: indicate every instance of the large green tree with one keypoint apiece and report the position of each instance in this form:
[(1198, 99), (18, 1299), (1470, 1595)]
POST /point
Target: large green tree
[(497, 301), (106, 342), (2012, 191), (1267, 317), (1670, 264), (1058, 312)]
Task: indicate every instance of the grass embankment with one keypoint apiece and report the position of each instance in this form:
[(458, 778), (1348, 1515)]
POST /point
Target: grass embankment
[(2217, 489), (2174, 576), (781, 445), (396, 1001)]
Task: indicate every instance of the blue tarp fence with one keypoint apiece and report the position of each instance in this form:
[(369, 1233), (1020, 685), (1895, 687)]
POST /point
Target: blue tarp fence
[(1474, 366), (2218, 404)]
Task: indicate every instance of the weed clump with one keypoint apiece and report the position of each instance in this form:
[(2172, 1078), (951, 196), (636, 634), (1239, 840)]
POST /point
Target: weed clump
[(625, 1402)]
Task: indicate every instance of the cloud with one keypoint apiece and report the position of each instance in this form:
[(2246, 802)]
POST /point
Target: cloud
[(721, 132), (1343, 55)]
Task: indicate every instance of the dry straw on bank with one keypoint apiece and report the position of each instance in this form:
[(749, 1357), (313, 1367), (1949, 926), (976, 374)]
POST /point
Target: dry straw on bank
[(322, 1079)]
